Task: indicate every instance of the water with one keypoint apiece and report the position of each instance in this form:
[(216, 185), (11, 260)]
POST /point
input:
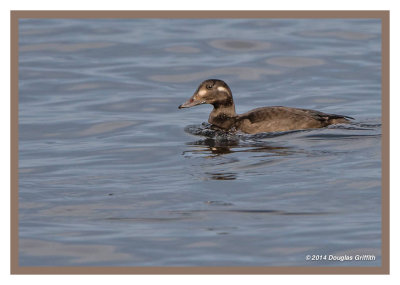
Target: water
[(112, 173)]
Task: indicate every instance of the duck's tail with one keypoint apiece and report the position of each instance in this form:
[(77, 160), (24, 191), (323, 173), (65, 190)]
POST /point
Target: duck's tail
[(338, 119)]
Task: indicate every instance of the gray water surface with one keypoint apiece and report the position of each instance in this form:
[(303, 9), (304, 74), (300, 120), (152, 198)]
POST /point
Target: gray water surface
[(112, 173)]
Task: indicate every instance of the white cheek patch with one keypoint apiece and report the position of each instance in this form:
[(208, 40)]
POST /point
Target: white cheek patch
[(202, 92), (222, 89)]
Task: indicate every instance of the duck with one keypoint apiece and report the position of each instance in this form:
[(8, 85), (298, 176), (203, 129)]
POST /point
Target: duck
[(265, 119)]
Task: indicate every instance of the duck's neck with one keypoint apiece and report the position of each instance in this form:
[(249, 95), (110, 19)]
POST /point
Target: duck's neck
[(223, 115)]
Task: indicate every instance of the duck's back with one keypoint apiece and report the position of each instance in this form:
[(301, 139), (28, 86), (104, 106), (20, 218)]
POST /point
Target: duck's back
[(279, 119)]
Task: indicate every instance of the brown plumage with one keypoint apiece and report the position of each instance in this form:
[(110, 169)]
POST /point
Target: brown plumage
[(265, 119)]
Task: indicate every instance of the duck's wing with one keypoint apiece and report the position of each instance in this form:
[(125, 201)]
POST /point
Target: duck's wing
[(284, 113), (317, 114)]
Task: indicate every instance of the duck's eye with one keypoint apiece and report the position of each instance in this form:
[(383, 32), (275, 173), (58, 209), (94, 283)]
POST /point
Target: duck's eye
[(209, 86)]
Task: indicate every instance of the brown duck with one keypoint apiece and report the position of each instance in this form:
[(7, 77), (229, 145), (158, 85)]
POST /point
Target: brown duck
[(265, 119)]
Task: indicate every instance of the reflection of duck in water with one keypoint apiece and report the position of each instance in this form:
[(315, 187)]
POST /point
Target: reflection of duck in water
[(265, 119)]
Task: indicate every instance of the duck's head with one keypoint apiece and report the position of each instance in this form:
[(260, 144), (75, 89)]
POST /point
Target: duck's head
[(210, 91)]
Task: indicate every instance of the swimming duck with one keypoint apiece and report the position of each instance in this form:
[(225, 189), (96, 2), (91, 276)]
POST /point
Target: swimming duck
[(265, 119)]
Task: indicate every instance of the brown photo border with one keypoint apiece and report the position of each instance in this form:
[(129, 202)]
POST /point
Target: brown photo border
[(378, 14)]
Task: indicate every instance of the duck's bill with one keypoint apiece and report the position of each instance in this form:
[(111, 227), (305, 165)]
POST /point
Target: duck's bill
[(190, 103)]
